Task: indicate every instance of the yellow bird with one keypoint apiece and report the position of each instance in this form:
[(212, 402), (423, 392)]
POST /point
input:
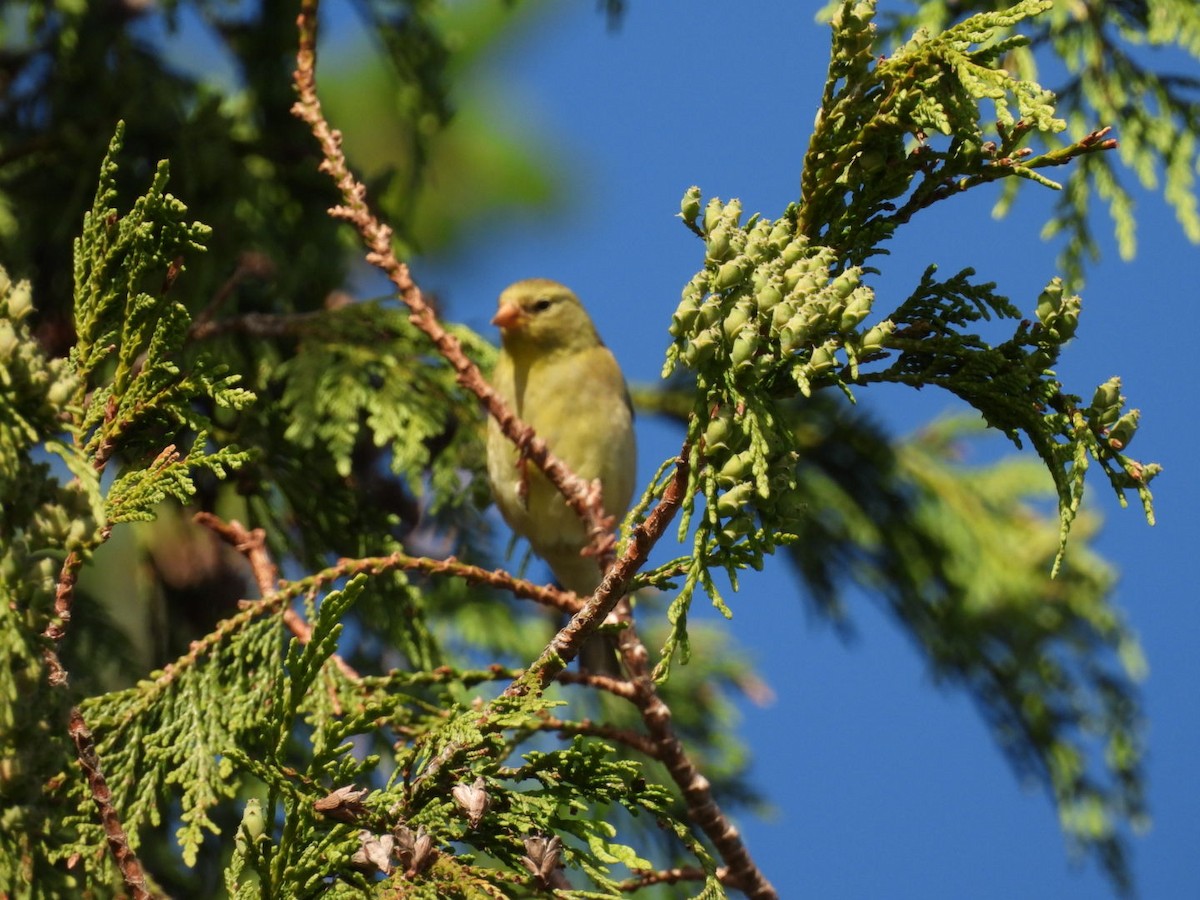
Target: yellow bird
[(557, 375)]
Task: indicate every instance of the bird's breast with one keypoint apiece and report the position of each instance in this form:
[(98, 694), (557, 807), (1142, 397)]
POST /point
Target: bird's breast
[(576, 403)]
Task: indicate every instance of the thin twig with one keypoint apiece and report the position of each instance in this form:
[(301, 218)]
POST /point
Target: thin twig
[(613, 587), (555, 598), (277, 600), (496, 672), (260, 325), (81, 736), (644, 879), (656, 716), (930, 192), (632, 739), (253, 545), (565, 644), (250, 265), (618, 687), (118, 842)]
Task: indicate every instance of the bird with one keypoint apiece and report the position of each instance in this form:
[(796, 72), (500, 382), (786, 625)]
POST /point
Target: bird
[(557, 375)]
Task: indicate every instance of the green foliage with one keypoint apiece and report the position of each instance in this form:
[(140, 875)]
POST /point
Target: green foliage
[(369, 438), (761, 322), (959, 556), (130, 391), (328, 822), (870, 145), (1110, 79), (37, 512), (242, 161), (770, 317), (364, 372), (41, 521), (169, 739), (1013, 386), (213, 99), (118, 398)]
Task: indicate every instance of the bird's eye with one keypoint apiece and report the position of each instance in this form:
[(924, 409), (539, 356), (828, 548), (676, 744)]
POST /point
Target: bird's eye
[(542, 305)]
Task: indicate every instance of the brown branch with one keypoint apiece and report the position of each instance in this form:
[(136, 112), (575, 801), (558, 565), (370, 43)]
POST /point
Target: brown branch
[(81, 736), (1004, 167), (565, 645), (118, 843), (697, 794), (274, 601), (553, 597), (496, 672), (645, 879), (615, 686), (702, 809), (587, 727), (581, 496), (253, 545), (612, 594), (250, 265), (56, 628)]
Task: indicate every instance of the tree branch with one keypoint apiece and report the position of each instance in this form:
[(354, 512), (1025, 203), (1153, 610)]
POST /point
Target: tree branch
[(613, 587), (644, 879), (1004, 166), (253, 545), (259, 325), (631, 739), (555, 598), (251, 265), (81, 736)]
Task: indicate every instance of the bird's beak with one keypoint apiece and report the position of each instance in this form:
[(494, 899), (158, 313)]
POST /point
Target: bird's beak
[(508, 316)]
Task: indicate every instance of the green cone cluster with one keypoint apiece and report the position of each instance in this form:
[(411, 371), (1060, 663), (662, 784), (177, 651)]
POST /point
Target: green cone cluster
[(1105, 414), (767, 315), (768, 303)]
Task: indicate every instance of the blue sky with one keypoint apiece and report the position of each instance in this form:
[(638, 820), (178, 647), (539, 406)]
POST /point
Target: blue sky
[(885, 786)]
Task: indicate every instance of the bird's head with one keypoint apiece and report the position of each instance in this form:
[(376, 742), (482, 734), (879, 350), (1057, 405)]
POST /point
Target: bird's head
[(542, 315)]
